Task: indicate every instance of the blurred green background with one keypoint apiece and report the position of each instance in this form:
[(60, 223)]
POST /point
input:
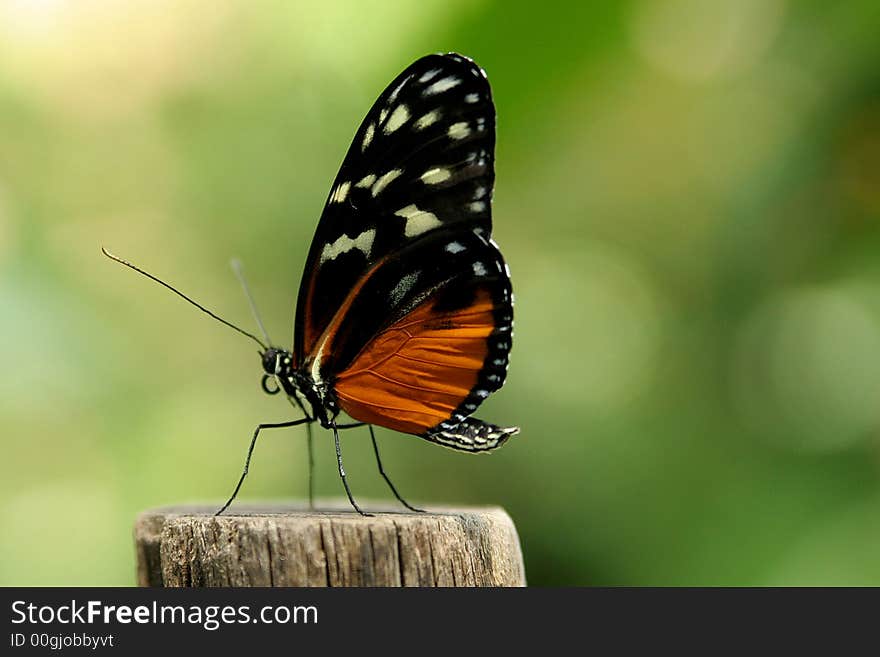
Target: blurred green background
[(688, 194)]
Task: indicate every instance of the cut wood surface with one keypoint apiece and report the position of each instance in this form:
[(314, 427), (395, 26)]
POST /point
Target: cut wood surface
[(288, 545)]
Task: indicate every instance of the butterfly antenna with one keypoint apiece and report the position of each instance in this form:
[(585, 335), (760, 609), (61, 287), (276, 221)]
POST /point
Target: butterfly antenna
[(239, 274), (182, 295)]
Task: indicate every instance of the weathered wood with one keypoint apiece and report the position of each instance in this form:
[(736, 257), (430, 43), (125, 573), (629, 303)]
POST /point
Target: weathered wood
[(287, 545)]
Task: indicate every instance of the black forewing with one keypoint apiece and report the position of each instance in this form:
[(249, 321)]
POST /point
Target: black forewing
[(423, 159)]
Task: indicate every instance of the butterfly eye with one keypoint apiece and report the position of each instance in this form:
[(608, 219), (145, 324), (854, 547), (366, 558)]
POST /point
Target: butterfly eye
[(269, 360), (264, 384)]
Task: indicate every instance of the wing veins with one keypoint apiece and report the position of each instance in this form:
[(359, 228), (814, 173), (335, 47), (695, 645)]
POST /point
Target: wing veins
[(429, 362), (398, 327), (384, 406), (435, 391)]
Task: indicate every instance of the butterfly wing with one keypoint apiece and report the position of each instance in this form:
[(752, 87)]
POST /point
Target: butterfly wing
[(405, 308), (422, 159), (423, 339)]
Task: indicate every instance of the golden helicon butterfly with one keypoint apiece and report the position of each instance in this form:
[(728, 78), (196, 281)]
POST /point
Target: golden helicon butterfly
[(404, 315)]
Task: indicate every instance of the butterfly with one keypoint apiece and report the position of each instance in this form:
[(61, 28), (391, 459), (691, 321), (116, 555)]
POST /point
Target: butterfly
[(404, 317)]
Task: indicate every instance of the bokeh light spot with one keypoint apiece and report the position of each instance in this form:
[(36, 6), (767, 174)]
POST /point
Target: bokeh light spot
[(807, 371), (697, 40)]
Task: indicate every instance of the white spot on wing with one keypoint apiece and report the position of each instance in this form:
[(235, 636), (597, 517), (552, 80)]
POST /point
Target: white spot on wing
[(479, 268), (417, 221), (472, 98), (344, 244), (366, 181), (444, 84), (383, 181), (477, 206), (428, 75), (398, 117), (459, 130), (427, 119), (436, 175), (454, 247), (368, 137), (341, 192), (403, 286), (383, 114), (393, 95)]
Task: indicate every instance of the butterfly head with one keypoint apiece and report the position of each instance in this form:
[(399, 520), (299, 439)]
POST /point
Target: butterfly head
[(275, 361), (277, 366)]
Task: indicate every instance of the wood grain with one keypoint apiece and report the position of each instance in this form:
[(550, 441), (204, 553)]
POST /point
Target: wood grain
[(288, 545)]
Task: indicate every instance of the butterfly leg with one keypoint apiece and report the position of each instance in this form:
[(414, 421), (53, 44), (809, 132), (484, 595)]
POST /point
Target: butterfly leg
[(342, 472), (247, 462), (310, 445), (385, 476), (311, 467), (312, 458)]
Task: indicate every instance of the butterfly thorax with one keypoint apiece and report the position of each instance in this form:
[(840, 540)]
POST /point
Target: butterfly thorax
[(279, 364)]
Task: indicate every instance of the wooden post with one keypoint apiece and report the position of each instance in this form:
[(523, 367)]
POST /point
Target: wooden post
[(287, 545)]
